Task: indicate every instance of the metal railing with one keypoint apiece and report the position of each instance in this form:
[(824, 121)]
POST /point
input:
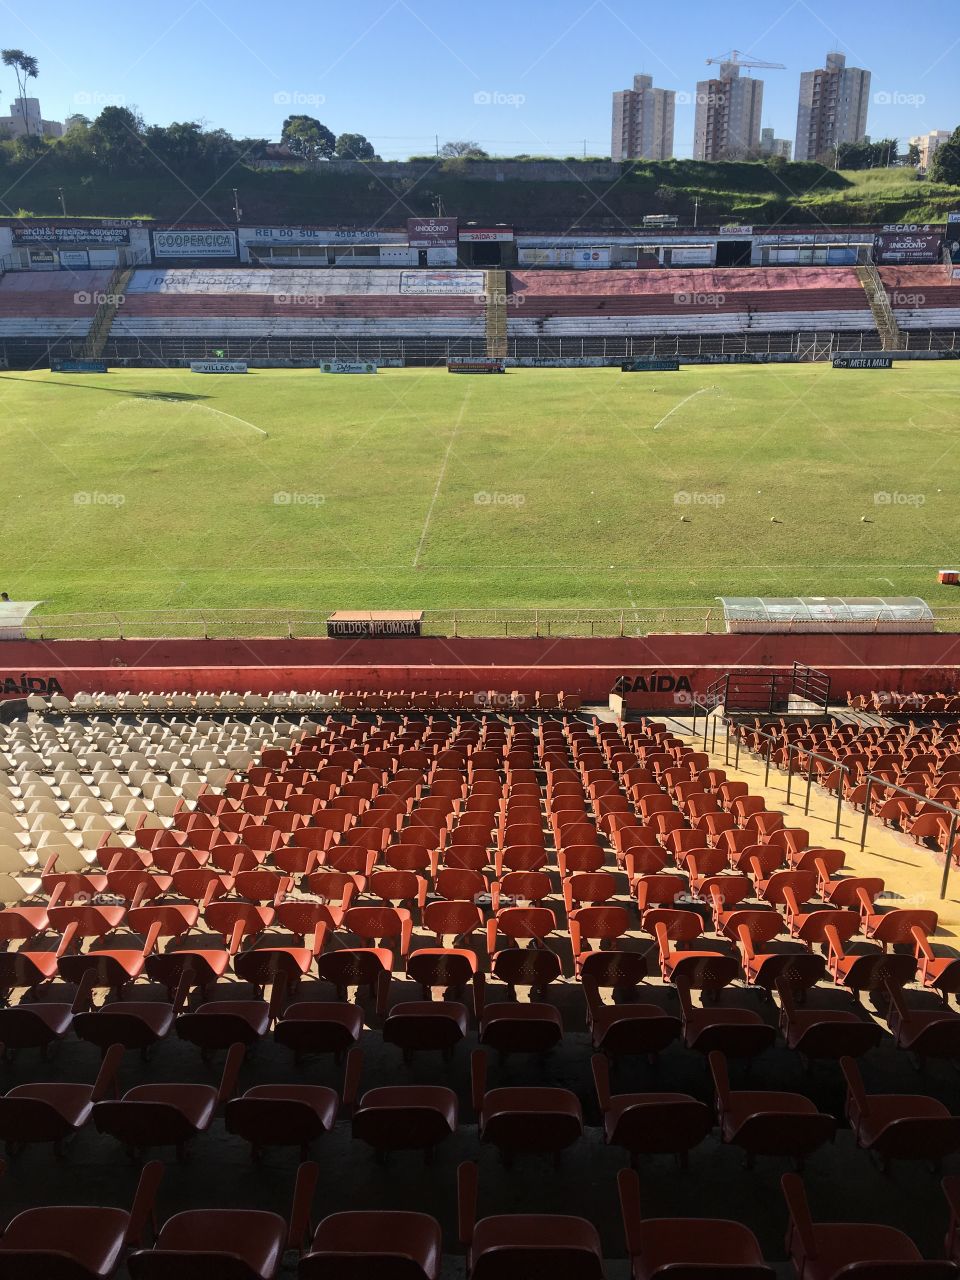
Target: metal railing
[(846, 774), (215, 623), (266, 623)]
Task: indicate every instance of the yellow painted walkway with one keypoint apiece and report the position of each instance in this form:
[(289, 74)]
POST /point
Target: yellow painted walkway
[(909, 870)]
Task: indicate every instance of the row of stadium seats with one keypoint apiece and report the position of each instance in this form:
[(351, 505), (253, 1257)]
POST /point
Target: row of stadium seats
[(384, 1245), (554, 853)]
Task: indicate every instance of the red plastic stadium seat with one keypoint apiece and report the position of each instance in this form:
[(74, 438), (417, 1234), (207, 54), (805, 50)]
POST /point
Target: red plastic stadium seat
[(691, 1248), (649, 1123), (519, 1246), (76, 1242), (399, 1117), (766, 1122), (523, 1119), (836, 1250)]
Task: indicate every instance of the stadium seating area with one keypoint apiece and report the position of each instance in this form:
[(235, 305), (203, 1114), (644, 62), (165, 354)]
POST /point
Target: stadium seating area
[(615, 931), (769, 299), (423, 315), (872, 766), (922, 297), (54, 304), (247, 302)]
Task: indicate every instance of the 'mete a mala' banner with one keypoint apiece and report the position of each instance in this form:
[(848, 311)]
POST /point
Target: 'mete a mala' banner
[(863, 362)]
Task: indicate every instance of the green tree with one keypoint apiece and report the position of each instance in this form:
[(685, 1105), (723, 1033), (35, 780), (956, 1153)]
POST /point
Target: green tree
[(305, 136), (945, 165), (463, 150), (25, 67), (867, 155), (354, 146), (117, 139), (913, 154)]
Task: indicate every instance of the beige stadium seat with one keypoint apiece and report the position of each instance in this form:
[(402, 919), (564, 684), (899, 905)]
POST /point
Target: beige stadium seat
[(65, 857), (14, 888), (36, 703), (60, 704), (16, 862)]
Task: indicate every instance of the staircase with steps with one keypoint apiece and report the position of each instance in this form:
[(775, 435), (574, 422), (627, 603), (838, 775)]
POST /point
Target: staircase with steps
[(892, 337), (496, 290), (103, 317)]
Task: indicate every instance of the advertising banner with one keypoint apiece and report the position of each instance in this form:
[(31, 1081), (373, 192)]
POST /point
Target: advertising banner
[(194, 244), (75, 258), (218, 366), (348, 366), (391, 624), (431, 283), (45, 234), (863, 362), (475, 364), (588, 259), (649, 365), (693, 256), (907, 247), (426, 233), (42, 258), (953, 236), (77, 366)]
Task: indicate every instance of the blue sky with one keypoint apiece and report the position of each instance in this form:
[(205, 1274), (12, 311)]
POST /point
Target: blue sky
[(515, 75)]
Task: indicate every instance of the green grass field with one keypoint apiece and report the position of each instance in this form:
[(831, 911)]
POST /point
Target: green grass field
[(150, 489)]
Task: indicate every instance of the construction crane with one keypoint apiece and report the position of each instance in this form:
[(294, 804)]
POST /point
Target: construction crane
[(735, 59)]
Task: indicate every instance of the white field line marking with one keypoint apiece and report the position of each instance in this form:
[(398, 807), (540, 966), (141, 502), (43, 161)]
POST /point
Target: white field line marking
[(210, 409), (443, 472), (686, 400)]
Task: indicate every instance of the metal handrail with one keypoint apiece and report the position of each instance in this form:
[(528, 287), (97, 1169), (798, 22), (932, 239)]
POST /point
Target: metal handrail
[(846, 772)]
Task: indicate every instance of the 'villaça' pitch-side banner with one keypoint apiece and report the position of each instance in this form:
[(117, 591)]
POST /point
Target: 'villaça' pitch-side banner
[(218, 366)]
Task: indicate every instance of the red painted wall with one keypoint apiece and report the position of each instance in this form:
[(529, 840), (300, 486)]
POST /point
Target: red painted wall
[(586, 666)]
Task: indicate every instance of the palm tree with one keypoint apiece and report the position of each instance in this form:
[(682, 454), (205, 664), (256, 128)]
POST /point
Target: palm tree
[(25, 68)]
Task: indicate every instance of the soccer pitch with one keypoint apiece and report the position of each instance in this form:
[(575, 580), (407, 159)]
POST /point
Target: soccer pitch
[(151, 489)]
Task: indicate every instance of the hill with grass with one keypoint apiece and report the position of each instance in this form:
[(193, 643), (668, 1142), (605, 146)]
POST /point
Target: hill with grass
[(575, 195)]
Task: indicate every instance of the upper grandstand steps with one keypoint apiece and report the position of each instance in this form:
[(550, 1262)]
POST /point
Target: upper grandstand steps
[(49, 304), (450, 304)]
